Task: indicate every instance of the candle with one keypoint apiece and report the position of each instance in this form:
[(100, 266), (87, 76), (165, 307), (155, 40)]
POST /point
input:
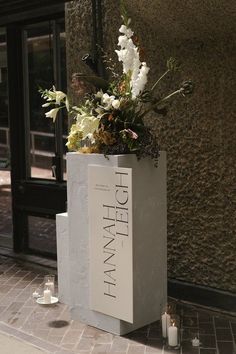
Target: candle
[(165, 321), (195, 342), (35, 294), (50, 285), (47, 296), (173, 336)]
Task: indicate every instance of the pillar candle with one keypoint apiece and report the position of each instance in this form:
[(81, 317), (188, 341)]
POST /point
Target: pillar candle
[(173, 336), (50, 285), (195, 342), (47, 296), (35, 294), (165, 321)]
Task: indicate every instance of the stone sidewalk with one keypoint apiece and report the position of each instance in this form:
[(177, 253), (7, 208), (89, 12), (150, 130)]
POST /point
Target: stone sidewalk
[(50, 329)]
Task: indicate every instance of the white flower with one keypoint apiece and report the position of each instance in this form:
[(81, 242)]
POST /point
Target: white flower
[(54, 95), (100, 111), (127, 31), (136, 69), (46, 104), (59, 96), (67, 104), (107, 101), (99, 94), (91, 138), (123, 41), (116, 104), (52, 114), (88, 125), (129, 56), (139, 84)]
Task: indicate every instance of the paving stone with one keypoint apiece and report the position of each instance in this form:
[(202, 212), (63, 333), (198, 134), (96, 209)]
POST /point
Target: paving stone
[(119, 344), (101, 348), (189, 333), (31, 322), (105, 338), (208, 341), (206, 328), (190, 321), (226, 348), (233, 326), (208, 351), (72, 336), (154, 333), (5, 289), (187, 348), (223, 334), (54, 339), (134, 349), (86, 344), (154, 346), (91, 332), (221, 323)]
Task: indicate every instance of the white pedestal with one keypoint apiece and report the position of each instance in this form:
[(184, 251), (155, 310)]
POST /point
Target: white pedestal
[(149, 240), (63, 265)]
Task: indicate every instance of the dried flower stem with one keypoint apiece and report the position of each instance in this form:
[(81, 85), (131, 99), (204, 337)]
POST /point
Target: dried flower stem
[(161, 101), (160, 78)]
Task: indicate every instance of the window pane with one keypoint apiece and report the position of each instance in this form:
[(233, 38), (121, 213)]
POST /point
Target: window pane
[(43, 61), (40, 74), (42, 234), (4, 129), (5, 178), (64, 89)]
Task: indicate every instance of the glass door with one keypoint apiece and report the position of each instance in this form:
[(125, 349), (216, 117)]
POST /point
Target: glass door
[(39, 187), (5, 164), (44, 67)]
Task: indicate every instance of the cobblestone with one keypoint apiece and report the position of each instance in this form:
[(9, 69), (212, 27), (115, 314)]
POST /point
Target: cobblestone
[(51, 330)]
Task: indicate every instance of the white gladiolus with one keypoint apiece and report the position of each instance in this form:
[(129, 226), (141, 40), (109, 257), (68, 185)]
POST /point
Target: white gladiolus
[(139, 84), (127, 31), (52, 114), (129, 56), (123, 41)]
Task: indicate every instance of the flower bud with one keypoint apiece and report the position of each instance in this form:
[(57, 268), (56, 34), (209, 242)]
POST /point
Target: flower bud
[(187, 87)]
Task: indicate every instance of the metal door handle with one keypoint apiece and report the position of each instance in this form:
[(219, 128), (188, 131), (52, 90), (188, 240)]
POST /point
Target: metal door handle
[(54, 169)]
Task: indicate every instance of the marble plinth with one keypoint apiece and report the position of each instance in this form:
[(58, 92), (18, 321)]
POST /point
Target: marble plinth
[(149, 240)]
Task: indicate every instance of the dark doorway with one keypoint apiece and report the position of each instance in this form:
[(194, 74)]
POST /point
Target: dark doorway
[(5, 178), (35, 58)]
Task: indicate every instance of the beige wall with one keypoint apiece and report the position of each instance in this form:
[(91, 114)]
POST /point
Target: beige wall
[(199, 133)]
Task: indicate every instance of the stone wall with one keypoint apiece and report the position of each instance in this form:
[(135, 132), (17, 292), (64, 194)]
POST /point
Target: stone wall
[(199, 133)]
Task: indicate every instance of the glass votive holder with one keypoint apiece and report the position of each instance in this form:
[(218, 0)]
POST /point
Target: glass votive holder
[(171, 308), (49, 283), (35, 291), (174, 332)]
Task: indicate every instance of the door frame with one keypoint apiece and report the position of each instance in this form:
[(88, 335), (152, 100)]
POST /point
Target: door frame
[(30, 196)]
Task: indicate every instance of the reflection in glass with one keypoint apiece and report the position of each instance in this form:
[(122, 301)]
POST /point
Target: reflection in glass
[(42, 234), (41, 69), (4, 128), (5, 178)]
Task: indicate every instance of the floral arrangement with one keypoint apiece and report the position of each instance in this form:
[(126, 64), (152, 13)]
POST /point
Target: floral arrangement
[(111, 119)]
